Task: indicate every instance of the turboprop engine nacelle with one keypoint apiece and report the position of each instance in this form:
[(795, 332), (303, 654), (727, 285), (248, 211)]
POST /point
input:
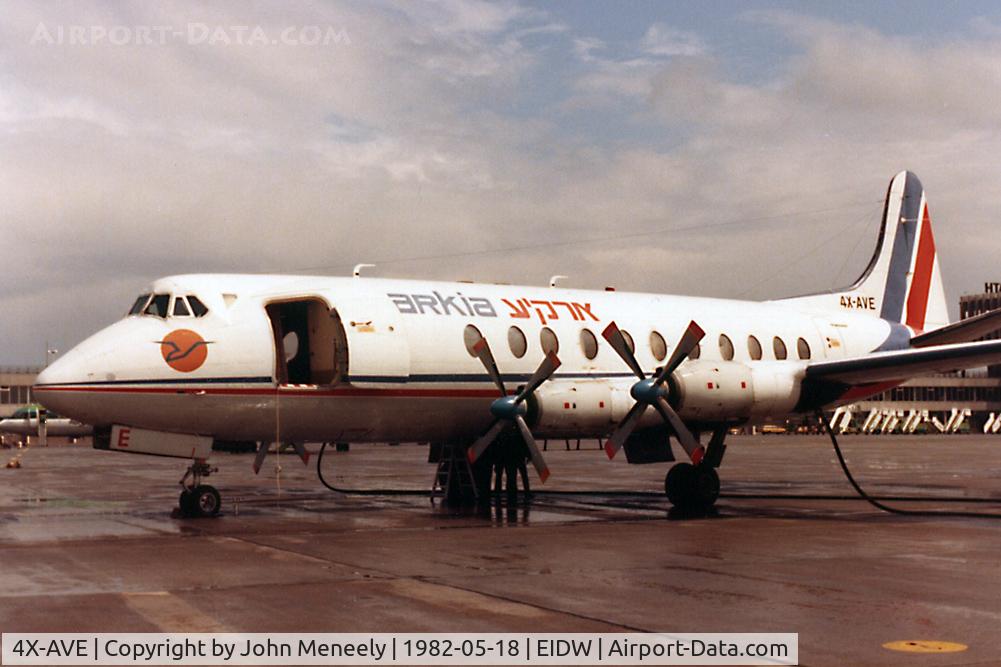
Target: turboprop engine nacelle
[(729, 391), (568, 408)]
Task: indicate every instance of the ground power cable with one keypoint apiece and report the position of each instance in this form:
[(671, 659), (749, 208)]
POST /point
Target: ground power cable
[(619, 493), (896, 510)]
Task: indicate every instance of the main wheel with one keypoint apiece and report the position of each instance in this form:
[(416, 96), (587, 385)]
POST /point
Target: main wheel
[(705, 486), (692, 487), (679, 484), (207, 500)]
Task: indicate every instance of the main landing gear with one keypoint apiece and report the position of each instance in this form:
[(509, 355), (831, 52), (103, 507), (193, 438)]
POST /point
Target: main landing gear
[(694, 488), (197, 499)]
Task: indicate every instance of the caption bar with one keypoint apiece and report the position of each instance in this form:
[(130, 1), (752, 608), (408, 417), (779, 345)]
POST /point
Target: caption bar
[(399, 649)]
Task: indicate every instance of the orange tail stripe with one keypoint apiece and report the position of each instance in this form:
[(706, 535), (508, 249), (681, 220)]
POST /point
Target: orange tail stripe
[(917, 300)]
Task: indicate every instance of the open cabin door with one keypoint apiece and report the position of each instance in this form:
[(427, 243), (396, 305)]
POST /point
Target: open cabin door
[(310, 344)]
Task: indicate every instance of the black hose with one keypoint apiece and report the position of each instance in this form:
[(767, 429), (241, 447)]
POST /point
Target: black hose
[(360, 492), (896, 510), (874, 500)]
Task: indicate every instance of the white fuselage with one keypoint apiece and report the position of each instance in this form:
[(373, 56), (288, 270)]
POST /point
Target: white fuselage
[(387, 359)]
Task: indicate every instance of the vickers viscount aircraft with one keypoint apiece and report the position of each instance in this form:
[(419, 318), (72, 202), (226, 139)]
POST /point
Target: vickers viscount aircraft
[(203, 358)]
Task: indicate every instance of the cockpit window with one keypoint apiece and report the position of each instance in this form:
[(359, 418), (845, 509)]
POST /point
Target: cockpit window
[(137, 307), (158, 306), (197, 307), (181, 307)]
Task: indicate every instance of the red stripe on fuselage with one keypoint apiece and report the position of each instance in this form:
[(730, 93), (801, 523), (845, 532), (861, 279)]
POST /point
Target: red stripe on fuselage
[(917, 300)]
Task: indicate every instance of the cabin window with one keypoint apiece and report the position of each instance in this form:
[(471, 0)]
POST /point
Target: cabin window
[(629, 340), (137, 307), (754, 348), (198, 309), (657, 346), (517, 342), (725, 347), (471, 336), (696, 352), (181, 307), (803, 348), (158, 305), (588, 343), (779, 348), (549, 341)]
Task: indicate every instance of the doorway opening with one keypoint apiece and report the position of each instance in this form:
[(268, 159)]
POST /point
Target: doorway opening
[(310, 343)]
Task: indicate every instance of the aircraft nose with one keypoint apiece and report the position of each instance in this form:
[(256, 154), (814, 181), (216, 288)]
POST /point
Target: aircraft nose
[(65, 370)]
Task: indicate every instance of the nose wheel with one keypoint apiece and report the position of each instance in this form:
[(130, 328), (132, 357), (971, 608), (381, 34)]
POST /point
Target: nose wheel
[(692, 487), (197, 499)]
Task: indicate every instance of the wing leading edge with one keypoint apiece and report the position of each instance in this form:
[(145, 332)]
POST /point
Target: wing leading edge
[(903, 364)]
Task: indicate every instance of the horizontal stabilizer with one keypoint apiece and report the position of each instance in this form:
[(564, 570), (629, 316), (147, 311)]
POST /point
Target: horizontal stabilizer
[(963, 331), (901, 365)]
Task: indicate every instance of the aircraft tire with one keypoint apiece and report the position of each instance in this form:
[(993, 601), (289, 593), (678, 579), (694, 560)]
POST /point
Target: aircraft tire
[(187, 505), (691, 487), (679, 484), (206, 500), (705, 486)]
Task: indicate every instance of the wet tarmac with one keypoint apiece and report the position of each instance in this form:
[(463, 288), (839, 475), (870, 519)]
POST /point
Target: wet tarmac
[(88, 542)]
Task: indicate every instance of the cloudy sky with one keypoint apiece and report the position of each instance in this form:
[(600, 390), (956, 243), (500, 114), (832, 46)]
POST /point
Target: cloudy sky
[(713, 148)]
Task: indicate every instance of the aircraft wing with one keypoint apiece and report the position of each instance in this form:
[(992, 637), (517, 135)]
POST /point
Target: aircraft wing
[(962, 331), (904, 364)]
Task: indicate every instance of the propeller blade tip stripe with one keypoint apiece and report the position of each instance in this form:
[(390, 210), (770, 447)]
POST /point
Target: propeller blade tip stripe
[(609, 330), (698, 454), (696, 329), (610, 450), (544, 475)]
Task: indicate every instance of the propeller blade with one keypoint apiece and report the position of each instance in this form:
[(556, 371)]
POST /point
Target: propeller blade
[(262, 452), (542, 373), (692, 447), (300, 449), (486, 357), (624, 429), (477, 448), (693, 334), (533, 449), (618, 342)]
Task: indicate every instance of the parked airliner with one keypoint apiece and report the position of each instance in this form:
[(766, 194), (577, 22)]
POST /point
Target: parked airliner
[(25, 421), (287, 358)]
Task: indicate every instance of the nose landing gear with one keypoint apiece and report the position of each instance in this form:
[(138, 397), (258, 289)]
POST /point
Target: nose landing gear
[(197, 499)]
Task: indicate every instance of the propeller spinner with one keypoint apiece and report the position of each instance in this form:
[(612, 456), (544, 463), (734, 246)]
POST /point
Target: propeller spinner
[(652, 391), (510, 410)]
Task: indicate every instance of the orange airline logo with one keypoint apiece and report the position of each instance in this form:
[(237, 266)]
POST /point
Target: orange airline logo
[(184, 350)]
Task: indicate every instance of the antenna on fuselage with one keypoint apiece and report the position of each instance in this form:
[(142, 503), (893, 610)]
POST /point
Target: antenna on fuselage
[(358, 267), (554, 279)]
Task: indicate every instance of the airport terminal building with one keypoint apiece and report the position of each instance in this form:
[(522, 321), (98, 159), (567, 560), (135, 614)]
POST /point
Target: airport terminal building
[(950, 402), (15, 387)]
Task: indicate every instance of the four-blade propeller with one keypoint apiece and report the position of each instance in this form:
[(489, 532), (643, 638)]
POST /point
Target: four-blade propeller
[(653, 392), (510, 410)]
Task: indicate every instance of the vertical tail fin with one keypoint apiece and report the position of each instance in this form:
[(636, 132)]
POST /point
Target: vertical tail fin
[(904, 274), (903, 281)]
